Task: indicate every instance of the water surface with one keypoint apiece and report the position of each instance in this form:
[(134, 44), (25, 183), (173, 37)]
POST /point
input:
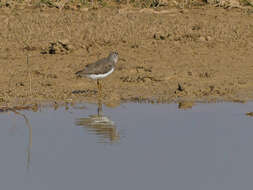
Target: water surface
[(133, 146)]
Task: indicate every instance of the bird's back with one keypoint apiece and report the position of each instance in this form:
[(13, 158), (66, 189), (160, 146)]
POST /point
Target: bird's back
[(100, 67)]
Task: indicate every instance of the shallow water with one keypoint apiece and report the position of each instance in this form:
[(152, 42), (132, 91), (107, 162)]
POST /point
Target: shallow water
[(133, 146)]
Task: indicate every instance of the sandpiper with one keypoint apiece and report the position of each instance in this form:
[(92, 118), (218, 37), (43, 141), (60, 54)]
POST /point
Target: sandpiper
[(100, 69)]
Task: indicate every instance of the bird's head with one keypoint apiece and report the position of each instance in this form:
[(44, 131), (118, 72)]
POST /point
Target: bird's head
[(113, 56)]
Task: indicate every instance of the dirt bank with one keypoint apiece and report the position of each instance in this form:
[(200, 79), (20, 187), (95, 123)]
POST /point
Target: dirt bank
[(199, 54)]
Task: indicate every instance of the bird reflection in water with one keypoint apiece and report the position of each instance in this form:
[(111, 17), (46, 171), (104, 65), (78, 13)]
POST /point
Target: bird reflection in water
[(100, 125)]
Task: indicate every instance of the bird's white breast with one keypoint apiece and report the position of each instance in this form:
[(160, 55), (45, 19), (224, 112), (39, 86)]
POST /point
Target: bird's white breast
[(100, 76)]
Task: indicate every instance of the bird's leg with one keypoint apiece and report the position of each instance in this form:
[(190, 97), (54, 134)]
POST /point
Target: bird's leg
[(98, 83), (99, 87)]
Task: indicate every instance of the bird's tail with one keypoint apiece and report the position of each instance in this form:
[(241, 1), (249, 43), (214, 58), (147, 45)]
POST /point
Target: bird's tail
[(79, 73)]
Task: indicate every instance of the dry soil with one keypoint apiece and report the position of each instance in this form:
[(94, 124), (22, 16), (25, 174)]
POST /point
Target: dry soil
[(198, 54)]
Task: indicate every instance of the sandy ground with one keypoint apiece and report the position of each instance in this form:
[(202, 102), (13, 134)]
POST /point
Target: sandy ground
[(198, 54)]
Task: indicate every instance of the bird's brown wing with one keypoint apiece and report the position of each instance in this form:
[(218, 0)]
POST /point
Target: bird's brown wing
[(100, 67)]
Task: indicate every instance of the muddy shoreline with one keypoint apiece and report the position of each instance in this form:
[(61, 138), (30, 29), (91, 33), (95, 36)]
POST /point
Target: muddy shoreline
[(202, 54)]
